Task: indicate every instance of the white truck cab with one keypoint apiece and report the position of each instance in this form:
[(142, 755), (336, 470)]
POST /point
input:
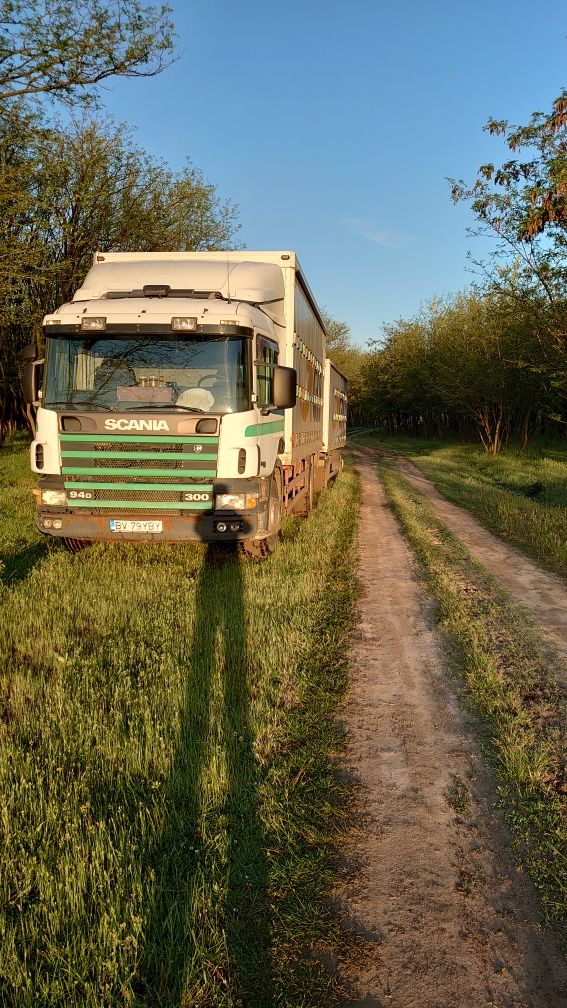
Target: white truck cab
[(186, 396)]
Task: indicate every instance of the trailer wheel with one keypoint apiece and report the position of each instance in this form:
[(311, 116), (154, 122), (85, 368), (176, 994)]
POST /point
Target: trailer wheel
[(260, 549)]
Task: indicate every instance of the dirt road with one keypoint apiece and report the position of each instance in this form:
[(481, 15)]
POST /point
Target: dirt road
[(542, 593), (447, 920)]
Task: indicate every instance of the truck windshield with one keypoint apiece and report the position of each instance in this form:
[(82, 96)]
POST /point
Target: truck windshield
[(204, 375)]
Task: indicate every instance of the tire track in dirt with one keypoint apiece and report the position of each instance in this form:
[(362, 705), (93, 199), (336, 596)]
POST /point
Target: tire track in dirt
[(444, 918), (542, 593)]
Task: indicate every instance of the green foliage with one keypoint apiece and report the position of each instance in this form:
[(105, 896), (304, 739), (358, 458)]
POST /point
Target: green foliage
[(65, 48), (523, 202), (349, 359), (170, 804), (523, 198), (66, 192), (475, 364), (492, 362)]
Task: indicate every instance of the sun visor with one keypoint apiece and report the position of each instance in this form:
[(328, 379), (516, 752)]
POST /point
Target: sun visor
[(255, 282), (261, 284)]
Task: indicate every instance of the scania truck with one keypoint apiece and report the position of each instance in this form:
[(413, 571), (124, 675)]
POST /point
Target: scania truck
[(183, 396)]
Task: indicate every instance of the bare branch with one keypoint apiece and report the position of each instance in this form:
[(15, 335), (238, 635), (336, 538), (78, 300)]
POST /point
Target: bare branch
[(66, 48)]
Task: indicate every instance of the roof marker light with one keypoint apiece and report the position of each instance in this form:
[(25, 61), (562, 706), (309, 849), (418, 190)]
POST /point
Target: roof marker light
[(181, 323), (93, 322)]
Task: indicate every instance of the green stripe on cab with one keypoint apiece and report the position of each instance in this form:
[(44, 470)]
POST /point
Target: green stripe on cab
[(89, 471), (194, 456), (156, 487), (259, 429)]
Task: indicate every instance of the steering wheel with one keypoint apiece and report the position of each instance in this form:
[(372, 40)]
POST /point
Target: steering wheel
[(213, 374)]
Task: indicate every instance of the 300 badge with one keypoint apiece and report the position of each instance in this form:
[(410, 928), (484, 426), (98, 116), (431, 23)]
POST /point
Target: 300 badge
[(196, 496)]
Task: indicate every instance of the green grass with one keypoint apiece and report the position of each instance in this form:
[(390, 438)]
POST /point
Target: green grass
[(509, 681), (520, 495), (21, 545), (170, 812)]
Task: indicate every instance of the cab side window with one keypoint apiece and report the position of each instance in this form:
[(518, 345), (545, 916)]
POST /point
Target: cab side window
[(266, 360)]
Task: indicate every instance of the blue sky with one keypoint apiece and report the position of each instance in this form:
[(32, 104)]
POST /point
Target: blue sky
[(333, 126)]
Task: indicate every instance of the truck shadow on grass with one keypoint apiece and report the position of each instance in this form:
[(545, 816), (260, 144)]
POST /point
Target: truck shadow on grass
[(16, 566), (208, 929)]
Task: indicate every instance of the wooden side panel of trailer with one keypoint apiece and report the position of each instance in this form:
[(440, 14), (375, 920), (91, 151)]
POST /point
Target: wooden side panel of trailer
[(306, 353), (335, 408)]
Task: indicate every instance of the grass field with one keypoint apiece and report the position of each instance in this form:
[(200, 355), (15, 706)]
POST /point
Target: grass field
[(509, 684), (170, 809), (522, 496), (21, 545)]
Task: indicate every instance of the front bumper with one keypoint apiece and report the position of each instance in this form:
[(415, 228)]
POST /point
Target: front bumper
[(178, 528), (175, 528), (185, 526)]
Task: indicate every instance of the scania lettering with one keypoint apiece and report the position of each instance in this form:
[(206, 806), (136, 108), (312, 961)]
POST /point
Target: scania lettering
[(184, 396), (140, 425)]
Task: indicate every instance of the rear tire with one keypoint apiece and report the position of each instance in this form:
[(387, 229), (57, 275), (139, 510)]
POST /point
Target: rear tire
[(306, 506)]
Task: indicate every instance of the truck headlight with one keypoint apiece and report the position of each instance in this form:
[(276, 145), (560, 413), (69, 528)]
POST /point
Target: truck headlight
[(236, 501), (55, 498)]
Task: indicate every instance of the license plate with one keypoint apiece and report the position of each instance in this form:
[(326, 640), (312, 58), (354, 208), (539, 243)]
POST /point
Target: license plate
[(125, 525)]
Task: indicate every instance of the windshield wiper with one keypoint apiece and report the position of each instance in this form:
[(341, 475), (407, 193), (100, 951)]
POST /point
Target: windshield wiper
[(77, 406), (165, 409)]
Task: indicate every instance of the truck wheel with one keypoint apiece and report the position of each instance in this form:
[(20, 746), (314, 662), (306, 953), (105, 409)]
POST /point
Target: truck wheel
[(304, 510), (259, 549), (76, 545)]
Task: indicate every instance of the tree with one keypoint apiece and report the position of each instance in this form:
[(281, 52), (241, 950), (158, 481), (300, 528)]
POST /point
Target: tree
[(523, 202), (66, 193), (349, 359), (456, 370), (97, 189), (338, 333), (65, 48), (522, 199)]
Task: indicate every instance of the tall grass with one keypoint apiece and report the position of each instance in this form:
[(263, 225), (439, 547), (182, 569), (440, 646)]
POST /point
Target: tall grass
[(520, 495), (21, 544), (170, 808)]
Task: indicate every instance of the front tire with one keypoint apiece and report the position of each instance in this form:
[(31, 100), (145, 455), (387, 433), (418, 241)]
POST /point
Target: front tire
[(260, 549), (76, 545)]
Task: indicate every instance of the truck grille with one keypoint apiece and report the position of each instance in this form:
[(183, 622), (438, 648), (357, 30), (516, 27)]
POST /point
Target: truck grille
[(117, 479), (126, 463), (106, 446), (149, 510), (129, 495), (139, 472)]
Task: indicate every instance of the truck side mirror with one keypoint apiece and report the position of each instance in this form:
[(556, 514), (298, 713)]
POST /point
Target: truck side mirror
[(31, 374), (285, 387), (29, 383), (30, 352)]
